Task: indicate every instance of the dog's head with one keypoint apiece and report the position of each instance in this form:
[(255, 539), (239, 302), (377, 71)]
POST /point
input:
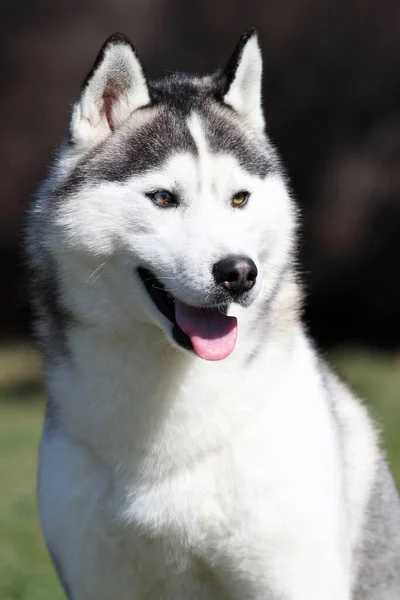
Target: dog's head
[(167, 205)]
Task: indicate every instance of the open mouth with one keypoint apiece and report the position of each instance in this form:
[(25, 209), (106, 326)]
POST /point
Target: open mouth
[(165, 303), (208, 331)]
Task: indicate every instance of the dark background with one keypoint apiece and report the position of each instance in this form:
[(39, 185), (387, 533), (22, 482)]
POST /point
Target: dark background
[(332, 100)]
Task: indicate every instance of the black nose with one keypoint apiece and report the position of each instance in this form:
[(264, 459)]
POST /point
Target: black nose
[(237, 274)]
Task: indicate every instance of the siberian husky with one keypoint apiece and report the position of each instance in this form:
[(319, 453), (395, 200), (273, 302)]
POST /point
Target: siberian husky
[(195, 445)]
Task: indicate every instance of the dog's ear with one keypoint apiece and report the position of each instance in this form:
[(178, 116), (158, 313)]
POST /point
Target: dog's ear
[(113, 89), (244, 79)]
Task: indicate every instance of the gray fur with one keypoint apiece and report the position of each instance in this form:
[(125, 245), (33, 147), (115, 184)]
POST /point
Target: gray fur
[(379, 556), (152, 144), (50, 427), (60, 573)]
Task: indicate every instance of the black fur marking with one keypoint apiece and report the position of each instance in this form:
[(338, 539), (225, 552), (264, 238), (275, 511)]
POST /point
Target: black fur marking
[(231, 67), (114, 39), (48, 288), (151, 145), (49, 310), (127, 153), (146, 149), (183, 94), (223, 137)]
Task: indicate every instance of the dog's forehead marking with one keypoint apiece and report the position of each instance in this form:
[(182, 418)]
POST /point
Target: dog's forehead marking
[(143, 145), (216, 131), (203, 155), (196, 129), (154, 134)]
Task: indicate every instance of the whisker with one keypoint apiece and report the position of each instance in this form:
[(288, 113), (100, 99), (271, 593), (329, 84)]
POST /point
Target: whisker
[(90, 278)]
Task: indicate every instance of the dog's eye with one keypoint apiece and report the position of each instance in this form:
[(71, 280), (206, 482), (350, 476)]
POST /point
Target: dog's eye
[(163, 198), (240, 199)]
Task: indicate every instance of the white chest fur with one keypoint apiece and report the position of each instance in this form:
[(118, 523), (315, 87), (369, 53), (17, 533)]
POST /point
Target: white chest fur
[(234, 489)]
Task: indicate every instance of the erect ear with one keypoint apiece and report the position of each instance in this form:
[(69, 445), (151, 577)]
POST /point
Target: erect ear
[(244, 79), (113, 89)]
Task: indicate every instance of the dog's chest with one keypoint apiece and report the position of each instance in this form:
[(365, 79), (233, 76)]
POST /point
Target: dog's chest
[(187, 508), (184, 534), (229, 510)]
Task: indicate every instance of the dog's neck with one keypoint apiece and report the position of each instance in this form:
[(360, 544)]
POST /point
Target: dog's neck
[(134, 401)]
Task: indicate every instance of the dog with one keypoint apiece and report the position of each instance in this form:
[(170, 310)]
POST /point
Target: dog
[(195, 445)]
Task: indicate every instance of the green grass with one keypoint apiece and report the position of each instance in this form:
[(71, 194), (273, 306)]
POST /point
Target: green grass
[(25, 569), (376, 378)]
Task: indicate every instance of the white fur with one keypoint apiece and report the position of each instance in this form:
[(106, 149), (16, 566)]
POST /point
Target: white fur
[(244, 93), (103, 230), (119, 70), (163, 476), (168, 476)]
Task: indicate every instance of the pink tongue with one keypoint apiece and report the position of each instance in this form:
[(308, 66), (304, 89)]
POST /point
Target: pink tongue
[(213, 334)]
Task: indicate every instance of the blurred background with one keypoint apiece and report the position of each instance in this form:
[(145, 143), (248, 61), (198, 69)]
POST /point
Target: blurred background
[(332, 101)]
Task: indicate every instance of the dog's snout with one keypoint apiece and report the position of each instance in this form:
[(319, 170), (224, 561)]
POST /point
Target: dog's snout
[(237, 274)]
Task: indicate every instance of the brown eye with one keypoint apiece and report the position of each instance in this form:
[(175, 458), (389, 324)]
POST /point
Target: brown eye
[(163, 198), (240, 199)]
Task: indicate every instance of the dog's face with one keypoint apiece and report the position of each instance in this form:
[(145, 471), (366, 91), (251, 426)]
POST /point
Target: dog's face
[(171, 208)]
